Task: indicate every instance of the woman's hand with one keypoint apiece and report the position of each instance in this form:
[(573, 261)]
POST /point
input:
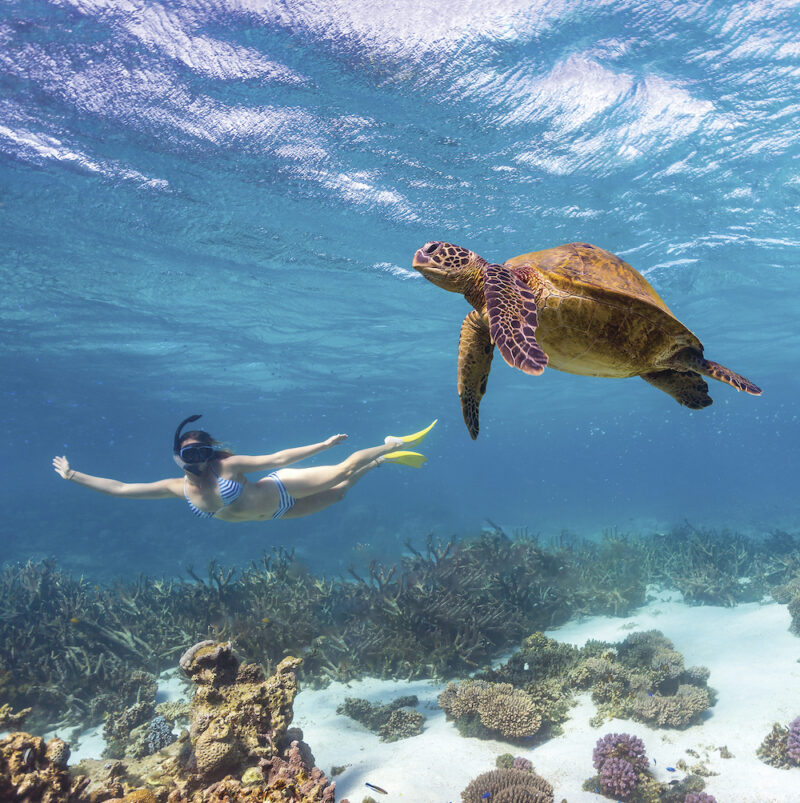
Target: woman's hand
[(61, 465), (333, 440)]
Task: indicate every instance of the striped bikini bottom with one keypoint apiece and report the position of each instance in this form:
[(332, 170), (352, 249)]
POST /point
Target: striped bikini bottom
[(287, 501)]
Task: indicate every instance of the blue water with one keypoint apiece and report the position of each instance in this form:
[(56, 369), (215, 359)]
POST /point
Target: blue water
[(212, 207)]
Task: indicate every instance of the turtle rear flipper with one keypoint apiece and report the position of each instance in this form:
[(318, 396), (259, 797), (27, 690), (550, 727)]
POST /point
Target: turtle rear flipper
[(686, 387), (475, 352), (513, 318), (723, 374), (697, 362)]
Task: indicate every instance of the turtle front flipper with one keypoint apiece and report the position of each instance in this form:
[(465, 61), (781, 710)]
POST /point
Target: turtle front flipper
[(475, 352), (513, 318), (686, 387)]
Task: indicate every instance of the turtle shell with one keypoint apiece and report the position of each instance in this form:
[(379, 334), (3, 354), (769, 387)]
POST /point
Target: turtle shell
[(600, 317), (579, 266)]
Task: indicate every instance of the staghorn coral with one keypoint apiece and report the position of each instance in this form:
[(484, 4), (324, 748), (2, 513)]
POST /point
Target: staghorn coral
[(498, 707), (10, 719), (509, 785)]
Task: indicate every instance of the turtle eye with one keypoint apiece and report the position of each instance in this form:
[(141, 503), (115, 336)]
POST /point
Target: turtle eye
[(430, 248)]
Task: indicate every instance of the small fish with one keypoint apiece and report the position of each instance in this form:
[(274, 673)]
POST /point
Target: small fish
[(26, 756), (376, 788), (74, 620), (266, 620), (654, 762), (486, 795), (670, 769), (674, 782)]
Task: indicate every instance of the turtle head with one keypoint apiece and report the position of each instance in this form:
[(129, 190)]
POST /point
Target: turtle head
[(449, 266)]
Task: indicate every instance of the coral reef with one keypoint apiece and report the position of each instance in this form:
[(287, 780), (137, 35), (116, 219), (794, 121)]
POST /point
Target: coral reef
[(624, 774), (482, 708), (240, 747), (508, 786), (238, 716), (781, 746), (699, 797), (643, 677), (31, 770), (621, 761), (393, 721), (443, 610), (11, 719)]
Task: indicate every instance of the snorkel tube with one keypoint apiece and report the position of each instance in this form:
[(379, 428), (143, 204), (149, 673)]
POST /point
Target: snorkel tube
[(176, 447)]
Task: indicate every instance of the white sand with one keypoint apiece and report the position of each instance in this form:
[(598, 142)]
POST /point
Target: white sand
[(754, 667)]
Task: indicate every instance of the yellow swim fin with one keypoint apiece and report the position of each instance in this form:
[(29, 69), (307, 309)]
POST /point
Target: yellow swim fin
[(413, 459), (417, 437)]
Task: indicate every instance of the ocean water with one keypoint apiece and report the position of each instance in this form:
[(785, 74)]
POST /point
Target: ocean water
[(211, 207)]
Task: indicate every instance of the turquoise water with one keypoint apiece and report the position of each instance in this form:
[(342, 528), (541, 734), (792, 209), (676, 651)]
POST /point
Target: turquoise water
[(212, 207)]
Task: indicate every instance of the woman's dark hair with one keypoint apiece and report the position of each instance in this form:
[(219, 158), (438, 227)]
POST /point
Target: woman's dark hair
[(201, 436)]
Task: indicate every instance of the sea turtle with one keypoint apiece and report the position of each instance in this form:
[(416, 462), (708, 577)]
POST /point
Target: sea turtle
[(575, 307)]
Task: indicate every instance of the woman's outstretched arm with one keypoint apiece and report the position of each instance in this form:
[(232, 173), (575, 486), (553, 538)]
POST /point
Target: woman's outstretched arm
[(162, 489), (265, 462)]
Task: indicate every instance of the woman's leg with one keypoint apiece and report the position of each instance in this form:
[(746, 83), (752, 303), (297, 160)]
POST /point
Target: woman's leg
[(319, 501), (303, 482)]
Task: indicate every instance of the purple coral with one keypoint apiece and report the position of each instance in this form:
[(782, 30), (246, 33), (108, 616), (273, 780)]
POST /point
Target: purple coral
[(793, 741), (522, 763), (617, 777), (621, 745), (699, 797)]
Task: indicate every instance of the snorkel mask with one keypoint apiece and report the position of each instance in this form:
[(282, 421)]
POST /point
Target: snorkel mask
[(189, 458)]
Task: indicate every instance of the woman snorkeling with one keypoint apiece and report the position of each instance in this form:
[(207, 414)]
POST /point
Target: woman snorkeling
[(214, 486)]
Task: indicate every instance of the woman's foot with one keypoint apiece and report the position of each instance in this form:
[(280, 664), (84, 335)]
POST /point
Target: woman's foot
[(409, 440)]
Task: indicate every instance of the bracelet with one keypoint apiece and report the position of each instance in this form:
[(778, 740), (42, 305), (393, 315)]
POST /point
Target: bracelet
[(71, 474)]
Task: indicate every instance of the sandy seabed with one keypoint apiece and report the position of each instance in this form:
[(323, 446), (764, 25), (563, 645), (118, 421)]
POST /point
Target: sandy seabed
[(754, 666)]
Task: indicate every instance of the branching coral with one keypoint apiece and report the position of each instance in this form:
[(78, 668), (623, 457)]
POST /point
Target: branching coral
[(498, 707), (781, 746), (622, 763), (396, 720), (508, 786), (793, 741)]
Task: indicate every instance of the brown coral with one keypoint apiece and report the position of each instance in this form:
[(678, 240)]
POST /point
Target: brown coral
[(677, 710), (499, 706), (33, 771), (508, 786), (237, 715)]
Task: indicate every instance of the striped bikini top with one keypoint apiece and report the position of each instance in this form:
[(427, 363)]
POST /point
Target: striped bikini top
[(229, 490)]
